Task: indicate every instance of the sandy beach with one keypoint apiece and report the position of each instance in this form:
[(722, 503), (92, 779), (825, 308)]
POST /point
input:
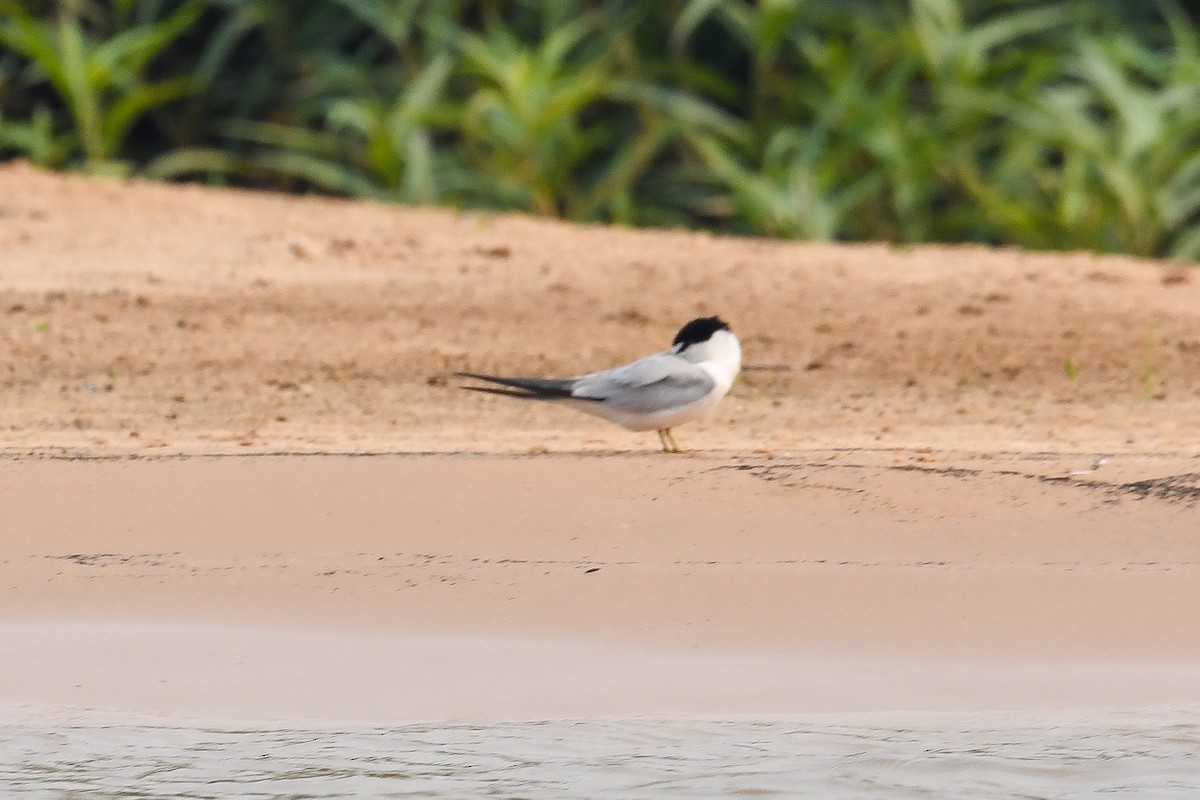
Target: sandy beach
[(237, 478), (418, 587)]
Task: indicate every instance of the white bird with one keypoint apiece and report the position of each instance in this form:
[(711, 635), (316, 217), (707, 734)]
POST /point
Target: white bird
[(654, 393)]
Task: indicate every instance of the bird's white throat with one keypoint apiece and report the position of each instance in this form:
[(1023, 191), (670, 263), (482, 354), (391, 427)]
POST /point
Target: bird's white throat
[(721, 355)]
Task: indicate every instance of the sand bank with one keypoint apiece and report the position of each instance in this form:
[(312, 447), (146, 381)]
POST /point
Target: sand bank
[(935, 457), (415, 587)]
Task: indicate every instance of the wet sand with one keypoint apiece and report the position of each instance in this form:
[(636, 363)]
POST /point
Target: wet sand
[(414, 587)]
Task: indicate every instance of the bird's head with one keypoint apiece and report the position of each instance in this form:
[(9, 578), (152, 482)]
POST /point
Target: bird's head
[(709, 339)]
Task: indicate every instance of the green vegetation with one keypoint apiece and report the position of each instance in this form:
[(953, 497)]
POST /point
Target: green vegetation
[(1043, 124)]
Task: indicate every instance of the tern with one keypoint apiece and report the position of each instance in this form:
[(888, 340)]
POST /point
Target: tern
[(654, 393)]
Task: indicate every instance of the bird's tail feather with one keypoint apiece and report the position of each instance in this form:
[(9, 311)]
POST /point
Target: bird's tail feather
[(530, 388)]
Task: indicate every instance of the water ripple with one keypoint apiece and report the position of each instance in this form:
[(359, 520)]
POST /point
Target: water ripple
[(1143, 755)]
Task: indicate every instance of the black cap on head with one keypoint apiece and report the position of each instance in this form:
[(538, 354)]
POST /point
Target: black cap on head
[(698, 330)]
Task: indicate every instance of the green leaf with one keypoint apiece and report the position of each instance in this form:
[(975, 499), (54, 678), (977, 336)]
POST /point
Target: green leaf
[(692, 16), (130, 51), (134, 104)]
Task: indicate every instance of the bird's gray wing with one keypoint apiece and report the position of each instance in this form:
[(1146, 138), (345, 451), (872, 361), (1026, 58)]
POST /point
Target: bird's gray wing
[(648, 384)]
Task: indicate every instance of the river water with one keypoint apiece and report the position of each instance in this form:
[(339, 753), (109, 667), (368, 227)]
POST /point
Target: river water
[(1141, 754)]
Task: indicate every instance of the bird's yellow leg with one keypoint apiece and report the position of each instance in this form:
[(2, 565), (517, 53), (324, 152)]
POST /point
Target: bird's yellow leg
[(668, 441)]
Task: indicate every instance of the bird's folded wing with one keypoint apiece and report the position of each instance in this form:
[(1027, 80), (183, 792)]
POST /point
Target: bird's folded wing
[(648, 384)]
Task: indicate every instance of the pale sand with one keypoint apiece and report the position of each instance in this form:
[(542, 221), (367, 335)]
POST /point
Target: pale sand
[(884, 513), (378, 588), (304, 674), (148, 319)]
